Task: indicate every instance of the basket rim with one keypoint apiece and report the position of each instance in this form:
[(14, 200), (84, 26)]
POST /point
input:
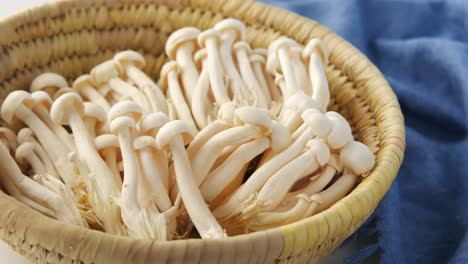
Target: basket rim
[(378, 182)]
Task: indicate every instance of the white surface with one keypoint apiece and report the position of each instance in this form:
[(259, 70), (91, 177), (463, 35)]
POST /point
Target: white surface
[(9, 256)]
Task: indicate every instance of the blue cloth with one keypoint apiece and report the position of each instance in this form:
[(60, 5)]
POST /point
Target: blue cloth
[(421, 47)]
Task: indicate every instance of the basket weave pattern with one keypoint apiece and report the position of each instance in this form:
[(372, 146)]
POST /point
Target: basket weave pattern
[(71, 36)]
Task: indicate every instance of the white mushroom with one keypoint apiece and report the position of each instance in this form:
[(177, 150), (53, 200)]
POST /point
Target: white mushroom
[(172, 134), (170, 80), (149, 125), (227, 172), (95, 119), (26, 135), (278, 185), (180, 46), (24, 154), (42, 104), (49, 82), (200, 110), (233, 30), (316, 54), (108, 147), (258, 61), (130, 64), (256, 95), (279, 58), (38, 193), (18, 104), (107, 72), (85, 88), (246, 192), (69, 109), (254, 123), (211, 40)]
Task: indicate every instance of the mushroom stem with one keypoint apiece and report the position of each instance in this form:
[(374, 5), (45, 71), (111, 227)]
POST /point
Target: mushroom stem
[(25, 154), (225, 173), (210, 39), (337, 190), (26, 135), (203, 161), (320, 89), (33, 190), (231, 206), (149, 88), (125, 89), (248, 75), (189, 70), (267, 220), (155, 173), (56, 151), (200, 93), (204, 135), (278, 185)]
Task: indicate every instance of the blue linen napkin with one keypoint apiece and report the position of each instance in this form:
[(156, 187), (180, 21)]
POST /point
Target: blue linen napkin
[(421, 47)]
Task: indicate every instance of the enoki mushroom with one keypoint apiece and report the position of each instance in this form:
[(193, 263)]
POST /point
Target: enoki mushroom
[(229, 140)]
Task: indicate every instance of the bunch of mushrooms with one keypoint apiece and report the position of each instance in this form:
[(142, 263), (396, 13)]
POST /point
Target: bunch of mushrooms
[(230, 140)]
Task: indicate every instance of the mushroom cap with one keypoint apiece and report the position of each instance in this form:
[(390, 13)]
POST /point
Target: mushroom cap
[(179, 38), (199, 56), (25, 135), (226, 112), (106, 141), (95, 111), (9, 136), (280, 136), (142, 142), (41, 97), (340, 133), (317, 122), (24, 150), (62, 91), (320, 149), (121, 122), (12, 102), (48, 79), (242, 45), (209, 34), (125, 108), (282, 42), (152, 121), (125, 57), (175, 128), (82, 82), (168, 67), (299, 102), (103, 72), (316, 45), (231, 24), (357, 157), (254, 116), (63, 104), (254, 58)]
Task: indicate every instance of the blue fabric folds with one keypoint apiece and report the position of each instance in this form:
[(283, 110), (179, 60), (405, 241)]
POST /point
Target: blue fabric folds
[(421, 47)]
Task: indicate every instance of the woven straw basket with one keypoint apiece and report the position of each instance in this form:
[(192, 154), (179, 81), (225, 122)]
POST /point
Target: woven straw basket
[(69, 37)]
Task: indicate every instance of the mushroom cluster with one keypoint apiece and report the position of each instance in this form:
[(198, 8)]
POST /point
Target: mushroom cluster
[(230, 140)]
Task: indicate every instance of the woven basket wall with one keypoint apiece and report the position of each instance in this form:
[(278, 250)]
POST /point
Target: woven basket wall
[(69, 37)]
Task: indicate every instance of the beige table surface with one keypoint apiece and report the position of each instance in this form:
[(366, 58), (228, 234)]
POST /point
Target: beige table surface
[(9, 256)]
